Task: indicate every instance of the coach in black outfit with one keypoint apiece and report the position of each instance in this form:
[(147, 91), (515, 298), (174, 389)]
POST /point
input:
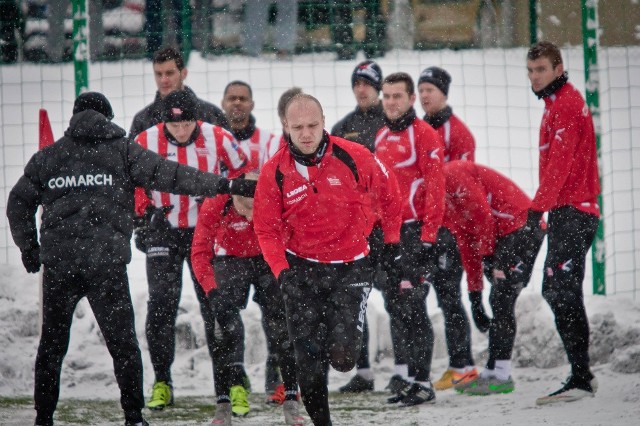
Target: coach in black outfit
[(85, 182)]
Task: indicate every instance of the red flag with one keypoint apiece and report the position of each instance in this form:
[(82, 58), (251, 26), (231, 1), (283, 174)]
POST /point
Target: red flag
[(45, 134)]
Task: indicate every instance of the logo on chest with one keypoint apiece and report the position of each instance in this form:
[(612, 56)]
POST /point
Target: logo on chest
[(298, 193), (202, 152)]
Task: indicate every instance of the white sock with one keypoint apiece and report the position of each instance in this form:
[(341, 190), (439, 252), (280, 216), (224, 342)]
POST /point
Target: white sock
[(458, 370), (469, 368), (488, 374), (503, 369), (426, 384), (365, 373), (402, 370)]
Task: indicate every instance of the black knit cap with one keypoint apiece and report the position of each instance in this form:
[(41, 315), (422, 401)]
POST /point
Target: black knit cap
[(368, 71), (95, 101), (436, 76), (180, 105)]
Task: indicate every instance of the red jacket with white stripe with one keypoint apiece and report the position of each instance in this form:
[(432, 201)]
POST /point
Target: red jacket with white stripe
[(568, 171), (323, 213), (213, 146), (415, 155), (221, 231), (459, 143), (482, 205)]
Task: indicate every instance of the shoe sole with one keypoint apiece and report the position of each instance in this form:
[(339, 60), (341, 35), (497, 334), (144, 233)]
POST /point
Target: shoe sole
[(546, 400)]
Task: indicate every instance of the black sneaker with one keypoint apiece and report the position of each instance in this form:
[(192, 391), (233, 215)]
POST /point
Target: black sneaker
[(142, 423), (357, 384), (573, 390), (400, 387), (419, 394)]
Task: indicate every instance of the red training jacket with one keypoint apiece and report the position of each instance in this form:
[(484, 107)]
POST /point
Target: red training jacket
[(568, 171), (220, 231), (459, 143), (322, 213), (482, 205), (416, 157)]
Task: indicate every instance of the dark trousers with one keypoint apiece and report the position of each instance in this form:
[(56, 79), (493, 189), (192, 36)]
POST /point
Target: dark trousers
[(108, 294), (509, 271), (234, 276), (326, 307), (446, 283), (571, 233), (166, 254)]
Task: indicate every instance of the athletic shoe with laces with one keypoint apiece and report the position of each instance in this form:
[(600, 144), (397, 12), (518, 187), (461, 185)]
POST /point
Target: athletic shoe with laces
[(419, 394), (357, 384), (399, 386), (450, 378), (488, 386), (573, 390), (277, 397), (239, 401), (161, 396), (291, 410), (223, 414)]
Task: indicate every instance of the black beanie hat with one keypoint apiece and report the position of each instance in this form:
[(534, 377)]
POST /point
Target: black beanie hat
[(95, 101), (180, 105), (436, 76), (370, 72)]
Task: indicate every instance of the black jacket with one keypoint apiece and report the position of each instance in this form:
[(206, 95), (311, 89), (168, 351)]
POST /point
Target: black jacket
[(361, 126), (86, 183), (151, 115)]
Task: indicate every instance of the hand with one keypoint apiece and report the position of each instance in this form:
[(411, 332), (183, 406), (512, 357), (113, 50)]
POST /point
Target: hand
[(243, 187), (140, 236), (533, 220), (31, 259), (158, 218), (480, 318), (391, 263), (428, 256), (287, 277)]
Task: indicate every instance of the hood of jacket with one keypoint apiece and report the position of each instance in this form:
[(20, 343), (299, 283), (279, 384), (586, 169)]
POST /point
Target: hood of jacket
[(91, 126)]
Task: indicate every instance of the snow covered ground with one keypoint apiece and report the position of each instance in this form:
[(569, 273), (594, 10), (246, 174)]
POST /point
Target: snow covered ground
[(538, 357)]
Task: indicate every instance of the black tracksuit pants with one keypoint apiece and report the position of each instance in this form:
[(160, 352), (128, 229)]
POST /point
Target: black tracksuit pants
[(446, 283), (411, 329), (326, 307), (234, 276), (571, 233), (166, 254), (509, 271), (107, 291)]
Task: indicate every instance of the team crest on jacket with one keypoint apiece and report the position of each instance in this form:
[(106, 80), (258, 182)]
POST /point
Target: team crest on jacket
[(239, 226), (334, 181), (202, 152)]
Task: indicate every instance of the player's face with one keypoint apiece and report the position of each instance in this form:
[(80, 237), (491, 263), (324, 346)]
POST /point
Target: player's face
[(237, 104), (541, 73), (181, 130), (244, 206), (168, 77), (431, 98), (305, 124), (395, 100), (366, 95)]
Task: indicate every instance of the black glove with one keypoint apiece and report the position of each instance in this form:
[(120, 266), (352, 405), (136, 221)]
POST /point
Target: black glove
[(480, 318), (533, 220), (31, 259), (286, 277), (239, 186), (391, 263), (243, 187), (428, 256)]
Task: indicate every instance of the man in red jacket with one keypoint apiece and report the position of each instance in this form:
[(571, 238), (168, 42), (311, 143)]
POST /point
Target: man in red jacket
[(413, 151), (314, 209), (569, 187), (459, 144), (487, 213), (226, 260)]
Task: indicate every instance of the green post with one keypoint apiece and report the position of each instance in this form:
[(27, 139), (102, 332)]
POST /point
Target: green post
[(186, 30), (592, 89), (80, 47), (533, 22)]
